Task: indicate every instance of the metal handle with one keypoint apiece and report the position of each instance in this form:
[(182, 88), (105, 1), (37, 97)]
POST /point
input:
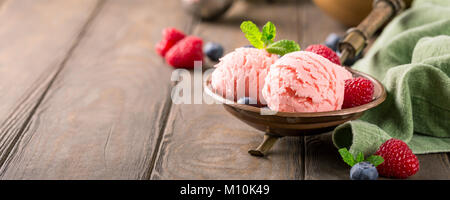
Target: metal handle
[(356, 38)]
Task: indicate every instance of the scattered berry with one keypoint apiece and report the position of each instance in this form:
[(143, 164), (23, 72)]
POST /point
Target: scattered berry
[(358, 91), (399, 161), (185, 52), (325, 52), (363, 171), (332, 41), (247, 101), (170, 37), (214, 51)]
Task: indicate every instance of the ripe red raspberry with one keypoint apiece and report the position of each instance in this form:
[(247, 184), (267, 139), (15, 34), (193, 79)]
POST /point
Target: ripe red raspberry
[(325, 52), (399, 161), (358, 91), (170, 37), (185, 52)]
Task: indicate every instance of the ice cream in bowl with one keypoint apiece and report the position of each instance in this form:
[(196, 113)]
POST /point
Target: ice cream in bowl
[(297, 93)]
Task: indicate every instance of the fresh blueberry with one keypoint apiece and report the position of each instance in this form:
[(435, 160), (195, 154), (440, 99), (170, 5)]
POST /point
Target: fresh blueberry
[(214, 51), (363, 171), (246, 100), (332, 41), (249, 46)]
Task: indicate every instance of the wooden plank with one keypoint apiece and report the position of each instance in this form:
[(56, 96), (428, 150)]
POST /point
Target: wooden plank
[(205, 142), (433, 167), (103, 115), (315, 25), (35, 39), (322, 161)]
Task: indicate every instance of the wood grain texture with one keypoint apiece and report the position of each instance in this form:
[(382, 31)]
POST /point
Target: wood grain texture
[(315, 26), (86, 97), (433, 167), (322, 161), (103, 114), (204, 141), (35, 39)]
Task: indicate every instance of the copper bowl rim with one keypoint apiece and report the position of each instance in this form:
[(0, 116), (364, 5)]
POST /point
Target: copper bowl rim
[(377, 100)]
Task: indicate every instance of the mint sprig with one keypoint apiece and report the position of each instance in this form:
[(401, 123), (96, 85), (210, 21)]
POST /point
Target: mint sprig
[(347, 157), (268, 33), (350, 160), (359, 157), (252, 34), (265, 39), (375, 160)]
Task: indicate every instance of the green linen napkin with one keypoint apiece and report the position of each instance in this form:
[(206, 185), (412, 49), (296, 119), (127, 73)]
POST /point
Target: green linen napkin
[(412, 59)]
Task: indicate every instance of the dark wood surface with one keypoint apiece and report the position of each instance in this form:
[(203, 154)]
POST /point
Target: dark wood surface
[(85, 96)]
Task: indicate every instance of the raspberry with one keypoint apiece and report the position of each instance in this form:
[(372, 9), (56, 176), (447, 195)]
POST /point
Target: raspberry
[(399, 161), (325, 52), (170, 37), (358, 91), (185, 52)]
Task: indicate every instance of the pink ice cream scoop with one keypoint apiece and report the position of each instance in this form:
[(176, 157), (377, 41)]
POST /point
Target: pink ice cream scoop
[(305, 82), (241, 73)]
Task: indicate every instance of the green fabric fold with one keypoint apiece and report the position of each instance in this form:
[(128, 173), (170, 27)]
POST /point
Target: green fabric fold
[(412, 59)]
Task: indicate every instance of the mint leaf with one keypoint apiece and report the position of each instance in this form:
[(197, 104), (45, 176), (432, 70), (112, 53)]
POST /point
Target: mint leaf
[(268, 33), (252, 34), (265, 39), (283, 47), (360, 157), (375, 160), (347, 157)]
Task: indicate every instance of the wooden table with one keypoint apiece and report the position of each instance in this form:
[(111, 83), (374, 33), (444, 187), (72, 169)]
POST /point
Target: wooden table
[(85, 96)]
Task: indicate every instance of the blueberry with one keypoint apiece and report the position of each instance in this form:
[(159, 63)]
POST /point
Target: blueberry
[(332, 41), (247, 100), (249, 46), (363, 171), (214, 51)]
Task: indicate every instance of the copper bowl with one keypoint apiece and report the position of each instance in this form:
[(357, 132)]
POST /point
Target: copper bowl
[(295, 124)]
